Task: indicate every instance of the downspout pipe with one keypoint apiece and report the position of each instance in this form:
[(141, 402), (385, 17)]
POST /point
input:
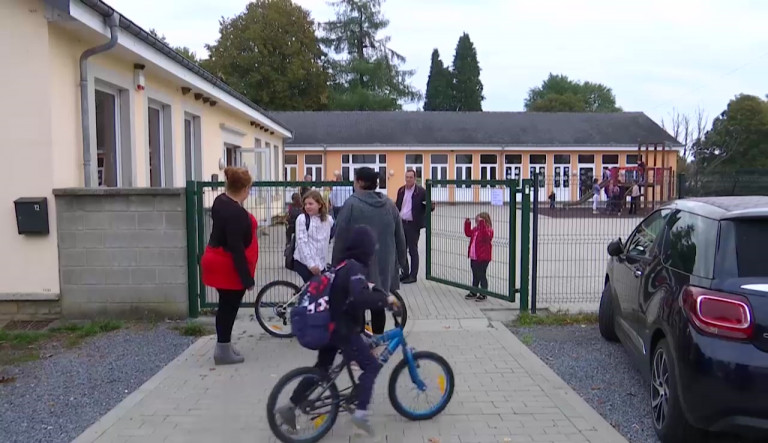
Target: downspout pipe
[(113, 22)]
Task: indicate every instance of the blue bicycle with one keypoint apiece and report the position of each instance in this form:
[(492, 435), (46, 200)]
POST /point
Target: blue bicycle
[(323, 402)]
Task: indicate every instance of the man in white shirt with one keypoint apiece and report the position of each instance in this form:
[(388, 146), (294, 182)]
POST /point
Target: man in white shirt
[(411, 202), (339, 195), (635, 197)]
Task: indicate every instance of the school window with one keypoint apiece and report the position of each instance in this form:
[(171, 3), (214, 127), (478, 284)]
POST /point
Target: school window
[(377, 162), (631, 159), (233, 155), (108, 146), (463, 168), (291, 167), (160, 144), (489, 164), (610, 159), (586, 158), (313, 166), (415, 162), (439, 167), (192, 147)]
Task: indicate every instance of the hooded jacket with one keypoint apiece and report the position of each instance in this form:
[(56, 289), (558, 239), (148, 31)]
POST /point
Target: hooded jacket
[(375, 210)]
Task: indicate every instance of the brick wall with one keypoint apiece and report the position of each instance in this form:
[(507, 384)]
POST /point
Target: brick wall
[(122, 252)]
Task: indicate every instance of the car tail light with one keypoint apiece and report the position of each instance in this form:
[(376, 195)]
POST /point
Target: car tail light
[(718, 313)]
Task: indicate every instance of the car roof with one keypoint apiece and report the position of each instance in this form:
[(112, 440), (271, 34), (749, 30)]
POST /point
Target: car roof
[(725, 208)]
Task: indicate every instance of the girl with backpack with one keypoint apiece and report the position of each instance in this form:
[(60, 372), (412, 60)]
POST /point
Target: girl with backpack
[(479, 252), (313, 234)]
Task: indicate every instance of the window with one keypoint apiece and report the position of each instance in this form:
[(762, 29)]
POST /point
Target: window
[(641, 241), (378, 162), (193, 147), (610, 159), (513, 159), (160, 144), (415, 162), (538, 159), (275, 162), (488, 167), (562, 159), (749, 240), (586, 158), (291, 168), (361, 159), (233, 156), (463, 159), (691, 243), (313, 166), (631, 159), (441, 159), (512, 167), (439, 169), (463, 168), (108, 138)]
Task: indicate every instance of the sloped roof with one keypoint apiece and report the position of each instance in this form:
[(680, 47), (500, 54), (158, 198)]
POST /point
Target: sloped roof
[(472, 128)]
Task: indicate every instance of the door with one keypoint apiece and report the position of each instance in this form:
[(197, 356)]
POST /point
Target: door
[(513, 166), (629, 275), (586, 176), (464, 193), (489, 164), (537, 173), (562, 183), (439, 171), (259, 203)]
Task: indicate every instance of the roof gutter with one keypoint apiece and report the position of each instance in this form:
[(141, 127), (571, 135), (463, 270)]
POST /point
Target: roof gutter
[(113, 21), (130, 27)]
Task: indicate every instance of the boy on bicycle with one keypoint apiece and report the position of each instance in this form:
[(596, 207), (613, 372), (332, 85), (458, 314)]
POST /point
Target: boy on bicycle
[(350, 297)]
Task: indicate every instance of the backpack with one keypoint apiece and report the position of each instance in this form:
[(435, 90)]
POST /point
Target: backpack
[(290, 248), (311, 318)]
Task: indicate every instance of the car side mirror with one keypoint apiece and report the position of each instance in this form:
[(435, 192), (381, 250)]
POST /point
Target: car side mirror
[(615, 248)]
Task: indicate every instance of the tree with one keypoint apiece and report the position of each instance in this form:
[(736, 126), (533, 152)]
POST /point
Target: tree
[(558, 93), (183, 50), (439, 86), (366, 73), (271, 54), (688, 130), (738, 138), (467, 87)]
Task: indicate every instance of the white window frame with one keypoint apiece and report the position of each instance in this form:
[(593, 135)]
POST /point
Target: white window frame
[(237, 154), (442, 169), (165, 133), (115, 92), (463, 167), (352, 166), (288, 167), (316, 170), (193, 157), (417, 167), (488, 167)]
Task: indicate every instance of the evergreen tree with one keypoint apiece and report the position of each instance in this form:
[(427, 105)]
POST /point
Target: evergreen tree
[(366, 74), (467, 87), (438, 96)]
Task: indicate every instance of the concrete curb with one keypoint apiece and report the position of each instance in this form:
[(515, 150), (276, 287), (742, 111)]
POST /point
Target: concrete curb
[(104, 423), (596, 429)]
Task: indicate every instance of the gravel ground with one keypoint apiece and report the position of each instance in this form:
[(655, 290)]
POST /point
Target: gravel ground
[(57, 398)]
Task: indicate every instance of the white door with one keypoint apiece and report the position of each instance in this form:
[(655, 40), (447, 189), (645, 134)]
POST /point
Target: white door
[(259, 203), (586, 177), (439, 172), (489, 165), (375, 167), (538, 175), (512, 171), (463, 193), (562, 183)]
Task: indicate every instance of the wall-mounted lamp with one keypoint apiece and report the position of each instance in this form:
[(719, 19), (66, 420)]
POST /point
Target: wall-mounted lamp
[(391, 172)]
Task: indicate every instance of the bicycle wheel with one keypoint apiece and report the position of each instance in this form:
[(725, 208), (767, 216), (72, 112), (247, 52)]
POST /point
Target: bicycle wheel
[(273, 307), (441, 383), (314, 417), (403, 317)]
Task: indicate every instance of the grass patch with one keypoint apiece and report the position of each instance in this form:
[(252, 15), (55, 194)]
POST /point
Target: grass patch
[(194, 329), (559, 318), (526, 339)]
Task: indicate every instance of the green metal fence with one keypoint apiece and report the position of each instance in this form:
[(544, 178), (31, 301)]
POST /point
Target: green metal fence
[(508, 202), (268, 202)]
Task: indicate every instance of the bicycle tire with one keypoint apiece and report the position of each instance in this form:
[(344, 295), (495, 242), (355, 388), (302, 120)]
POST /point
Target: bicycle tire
[(401, 366), (274, 395), (279, 334)]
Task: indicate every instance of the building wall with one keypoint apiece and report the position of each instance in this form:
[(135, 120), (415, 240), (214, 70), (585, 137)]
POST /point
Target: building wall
[(123, 253), (396, 164)]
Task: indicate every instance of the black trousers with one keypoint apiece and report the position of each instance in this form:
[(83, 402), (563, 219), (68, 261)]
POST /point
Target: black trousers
[(479, 270), (302, 270), (633, 205), (412, 233), (378, 321), (229, 304)]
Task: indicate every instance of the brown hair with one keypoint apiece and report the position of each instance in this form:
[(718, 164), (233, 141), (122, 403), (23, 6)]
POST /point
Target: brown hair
[(486, 218), (238, 179), (315, 195)]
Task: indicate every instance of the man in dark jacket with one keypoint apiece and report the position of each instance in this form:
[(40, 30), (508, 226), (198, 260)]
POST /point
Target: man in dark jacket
[(369, 208), (412, 205)]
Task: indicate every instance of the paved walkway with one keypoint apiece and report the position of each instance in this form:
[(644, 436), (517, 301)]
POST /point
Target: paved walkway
[(503, 392)]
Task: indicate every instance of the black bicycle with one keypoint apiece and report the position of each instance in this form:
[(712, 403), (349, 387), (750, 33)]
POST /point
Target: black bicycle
[(276, 299), (323, 401)]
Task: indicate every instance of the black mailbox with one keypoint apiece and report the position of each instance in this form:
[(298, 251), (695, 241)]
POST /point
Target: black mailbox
[(32, 215)]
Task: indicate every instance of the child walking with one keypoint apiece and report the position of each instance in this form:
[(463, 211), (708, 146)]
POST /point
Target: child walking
[(479, 252)]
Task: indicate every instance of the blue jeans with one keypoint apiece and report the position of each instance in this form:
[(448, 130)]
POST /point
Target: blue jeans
[(353, 349)]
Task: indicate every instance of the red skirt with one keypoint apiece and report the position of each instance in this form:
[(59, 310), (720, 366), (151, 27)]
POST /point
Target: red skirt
[(218, 268)]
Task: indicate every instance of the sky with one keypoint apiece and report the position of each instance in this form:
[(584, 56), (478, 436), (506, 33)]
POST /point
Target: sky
[(658, 56)]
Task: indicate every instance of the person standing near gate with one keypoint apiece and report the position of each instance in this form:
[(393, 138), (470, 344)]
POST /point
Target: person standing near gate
[(229, 261), (412, 205), (339, 195), (373, 209)]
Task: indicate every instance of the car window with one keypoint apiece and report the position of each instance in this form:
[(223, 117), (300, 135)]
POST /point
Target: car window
[(750, 237), (691, 244), (641, 241)]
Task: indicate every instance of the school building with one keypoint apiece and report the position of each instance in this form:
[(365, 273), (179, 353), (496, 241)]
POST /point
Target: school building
[(565, 148)]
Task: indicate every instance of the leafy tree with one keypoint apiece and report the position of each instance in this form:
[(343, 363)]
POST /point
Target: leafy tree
[(183, 50), (366, 73), (439, 86), (271, 54), (558, 93), (467, 87), (738, 138)]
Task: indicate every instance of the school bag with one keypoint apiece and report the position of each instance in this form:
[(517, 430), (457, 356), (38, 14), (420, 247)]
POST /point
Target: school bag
[(290, 248), (311, 318)]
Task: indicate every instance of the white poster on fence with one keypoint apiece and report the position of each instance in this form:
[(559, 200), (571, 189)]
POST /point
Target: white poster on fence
[(497, 197)]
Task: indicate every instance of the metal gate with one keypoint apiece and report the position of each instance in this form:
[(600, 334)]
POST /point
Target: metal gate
[(509, 208), (268, 202)]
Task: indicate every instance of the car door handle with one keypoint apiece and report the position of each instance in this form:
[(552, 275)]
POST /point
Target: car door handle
[(638, 273)]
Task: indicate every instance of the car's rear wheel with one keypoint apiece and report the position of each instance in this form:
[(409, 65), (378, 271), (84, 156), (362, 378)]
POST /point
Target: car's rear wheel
[(605, 318), (669, 421)]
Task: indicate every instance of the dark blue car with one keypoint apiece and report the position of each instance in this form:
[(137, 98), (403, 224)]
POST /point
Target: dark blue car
[(687, 295)]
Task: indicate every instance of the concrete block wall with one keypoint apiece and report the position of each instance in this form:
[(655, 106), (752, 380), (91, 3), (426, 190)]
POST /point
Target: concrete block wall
[(122, 252)]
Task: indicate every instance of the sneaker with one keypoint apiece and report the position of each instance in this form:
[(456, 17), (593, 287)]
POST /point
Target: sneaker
[(287, 414), (470, 296), (481, 297), (363, 424)]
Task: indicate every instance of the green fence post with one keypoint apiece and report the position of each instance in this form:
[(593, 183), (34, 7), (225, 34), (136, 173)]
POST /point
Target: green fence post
[(525, 246), (428, 222), (512, 186), (192, 269), (200, 231)]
